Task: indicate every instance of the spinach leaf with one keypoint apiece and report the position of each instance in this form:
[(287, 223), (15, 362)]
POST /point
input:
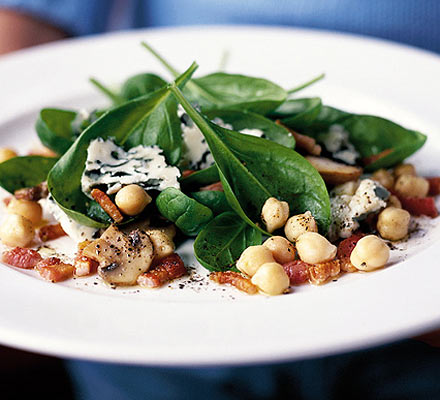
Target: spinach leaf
[(213, 199), (54, 128), (26, 171), (220, 244), (201, 178), (369, 134), (298, 113), (372, 135), (64, 179), (140, 85), (240, 120), (253, 169), (221, 90), (162, 128), (188, 214)]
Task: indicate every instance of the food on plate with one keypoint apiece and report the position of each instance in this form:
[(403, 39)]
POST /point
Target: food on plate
[(276, 190)]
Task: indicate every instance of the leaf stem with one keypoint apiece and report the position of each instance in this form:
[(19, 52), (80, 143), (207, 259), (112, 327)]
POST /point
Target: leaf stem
[(109, 93), (306, 84), (162, 60)]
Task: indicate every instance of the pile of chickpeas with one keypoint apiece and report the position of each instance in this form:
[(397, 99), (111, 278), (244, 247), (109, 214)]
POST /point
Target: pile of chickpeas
[(393, 222), (264, 263)]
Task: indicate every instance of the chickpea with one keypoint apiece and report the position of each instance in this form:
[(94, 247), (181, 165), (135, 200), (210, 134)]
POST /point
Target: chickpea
[(385, 178), (163, 245), (31, 210), (370, 253), (274, 213), (394, 201), (6, 154), (299, 224), (404, 169), (282, 250), (314, 248), (252, 258), (411, 186), (393, 223), (132, 199), (16, 230), (271, 279)]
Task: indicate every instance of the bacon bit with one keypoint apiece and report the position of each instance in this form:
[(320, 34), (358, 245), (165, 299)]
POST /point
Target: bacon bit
[(51, 232), (85, 266), (21, 257), (217, 186), (434, 186), (345, 248), (235, 279), (297, 271), (7, 200), (304, 142), (321, 273), (373, 158), (107, 205), (34, 193), (420, 206), (187, 172), (53, 270), (169, 268)]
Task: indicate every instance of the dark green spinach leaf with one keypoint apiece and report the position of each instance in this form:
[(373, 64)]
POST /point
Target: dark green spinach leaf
[(213, 199), (253, 169), (26, 171), (189, 215), (240, 120), (222, 90), (220, 243)]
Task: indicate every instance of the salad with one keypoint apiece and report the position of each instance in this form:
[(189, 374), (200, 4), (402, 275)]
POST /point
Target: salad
[(276, 190)]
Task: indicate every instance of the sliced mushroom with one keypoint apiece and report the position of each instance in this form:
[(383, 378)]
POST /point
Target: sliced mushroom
[(333, 172), (122, 256)]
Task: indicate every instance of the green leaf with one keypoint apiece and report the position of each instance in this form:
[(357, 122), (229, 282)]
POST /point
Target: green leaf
[(54, 128), (26, 171), (161, 128), (220, 244), (253, 169), (240, 120), (119, 123), (140, 85), (215, 200), (201, 178), (188, 214), (221, 90), (298, 113), (372, 135)]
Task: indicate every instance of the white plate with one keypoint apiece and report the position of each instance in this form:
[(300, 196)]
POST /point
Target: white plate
[(204, 324)]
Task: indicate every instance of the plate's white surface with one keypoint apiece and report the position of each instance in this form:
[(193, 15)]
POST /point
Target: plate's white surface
[(204, 324)]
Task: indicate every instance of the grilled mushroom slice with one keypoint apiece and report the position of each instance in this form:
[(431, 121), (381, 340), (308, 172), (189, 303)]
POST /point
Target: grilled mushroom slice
[(122, 256), (333, 172)]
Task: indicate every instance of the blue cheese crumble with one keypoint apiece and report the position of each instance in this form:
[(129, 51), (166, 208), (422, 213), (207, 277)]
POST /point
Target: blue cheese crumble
[(196, 154), (336, 141), (111, 167), (351, 203)]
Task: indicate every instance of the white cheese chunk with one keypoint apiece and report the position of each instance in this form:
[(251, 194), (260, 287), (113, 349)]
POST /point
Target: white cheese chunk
[(111, 166), (72, 228), (347, 210), (336, 141)]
